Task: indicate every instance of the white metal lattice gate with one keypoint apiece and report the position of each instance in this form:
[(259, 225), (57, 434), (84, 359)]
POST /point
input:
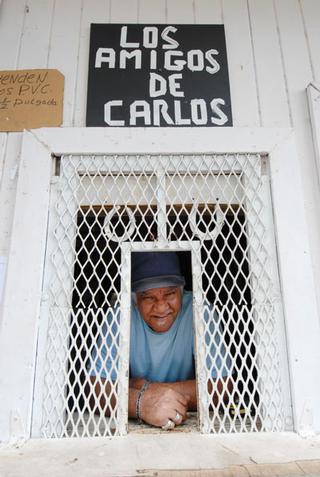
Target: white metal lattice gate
[(215, 209)]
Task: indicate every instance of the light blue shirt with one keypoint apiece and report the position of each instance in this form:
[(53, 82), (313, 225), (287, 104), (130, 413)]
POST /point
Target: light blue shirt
[(164, 357)]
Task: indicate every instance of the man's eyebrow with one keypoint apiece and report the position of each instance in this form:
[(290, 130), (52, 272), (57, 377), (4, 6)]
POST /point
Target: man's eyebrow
[(148, 292)]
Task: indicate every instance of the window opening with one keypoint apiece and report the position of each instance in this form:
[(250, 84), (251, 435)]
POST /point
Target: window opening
[(214, 207)]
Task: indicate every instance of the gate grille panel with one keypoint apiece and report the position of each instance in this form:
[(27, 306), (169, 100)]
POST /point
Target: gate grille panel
[(214, 207)]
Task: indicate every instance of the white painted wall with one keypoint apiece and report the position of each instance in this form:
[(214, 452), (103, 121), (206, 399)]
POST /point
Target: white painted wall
[(273, 53)]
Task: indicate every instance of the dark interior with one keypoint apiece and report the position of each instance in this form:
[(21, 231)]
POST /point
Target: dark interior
[(225, 261)]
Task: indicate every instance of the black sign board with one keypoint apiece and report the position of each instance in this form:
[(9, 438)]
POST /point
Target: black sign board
[(158, 75)]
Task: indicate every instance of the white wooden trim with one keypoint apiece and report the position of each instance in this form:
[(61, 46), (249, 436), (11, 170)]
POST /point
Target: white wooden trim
[(22, 295), (160, 140), (297, 286), (313, 94)]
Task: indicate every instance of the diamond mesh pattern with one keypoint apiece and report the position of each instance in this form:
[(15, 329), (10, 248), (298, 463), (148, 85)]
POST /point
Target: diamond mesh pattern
[(213, 203)]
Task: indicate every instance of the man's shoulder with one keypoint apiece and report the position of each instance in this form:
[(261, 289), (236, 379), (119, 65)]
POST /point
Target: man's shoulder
[(186, 308), (187, 294), (187, 297)]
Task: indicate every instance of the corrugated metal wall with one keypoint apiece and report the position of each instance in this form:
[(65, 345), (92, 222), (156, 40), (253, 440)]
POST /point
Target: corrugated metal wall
[(273, 53)]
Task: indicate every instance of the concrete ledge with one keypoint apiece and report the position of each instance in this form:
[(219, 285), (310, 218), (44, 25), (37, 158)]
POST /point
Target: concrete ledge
[(292, 469), (164, 455)]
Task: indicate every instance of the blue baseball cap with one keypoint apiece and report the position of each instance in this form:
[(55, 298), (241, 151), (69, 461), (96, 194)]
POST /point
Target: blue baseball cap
[(155, 270)]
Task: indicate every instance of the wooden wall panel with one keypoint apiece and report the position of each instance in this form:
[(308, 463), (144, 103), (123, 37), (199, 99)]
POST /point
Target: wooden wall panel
[(311, 15), (244, 96), (124, 11), (152, 11), (270, 74), (36, 34), (13, 18), (8, 189), (95, 11), (9, 50), (180, 11), (10, 39), (208, 11), (65, 33), (3, 143), (10, 34), (299, 74), (295, 57), (30, 50)]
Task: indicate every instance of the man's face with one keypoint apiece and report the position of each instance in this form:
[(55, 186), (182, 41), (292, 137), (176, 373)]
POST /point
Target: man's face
[(159, 307)]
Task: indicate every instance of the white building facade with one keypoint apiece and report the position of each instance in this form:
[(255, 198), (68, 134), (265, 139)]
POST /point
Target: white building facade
[(256, 182)]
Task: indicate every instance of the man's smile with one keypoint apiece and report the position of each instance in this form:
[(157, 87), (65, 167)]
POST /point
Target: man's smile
[(159, 307), (161, 317)]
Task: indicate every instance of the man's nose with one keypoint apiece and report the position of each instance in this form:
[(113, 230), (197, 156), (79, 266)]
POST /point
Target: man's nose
[(161, 304)]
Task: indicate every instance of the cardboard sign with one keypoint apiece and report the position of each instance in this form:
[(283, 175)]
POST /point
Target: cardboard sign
[(158, 75), (30, 99)]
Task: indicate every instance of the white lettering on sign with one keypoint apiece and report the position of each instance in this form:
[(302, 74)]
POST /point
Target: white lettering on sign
[(153, 60), (123, 39), (215, 65), (152, 113), (199, 112), (105, 55), (174, 85), (195, 60), (171, 42), (107, 113), (221, 118), (150, 37), (171, 70), (174, 60), (158, 85), (160, 110), (140, 109), (126, 55), (179, 120), (173, 65)]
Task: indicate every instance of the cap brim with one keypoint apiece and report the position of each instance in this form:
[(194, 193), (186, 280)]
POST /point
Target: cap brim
[(157, 282)]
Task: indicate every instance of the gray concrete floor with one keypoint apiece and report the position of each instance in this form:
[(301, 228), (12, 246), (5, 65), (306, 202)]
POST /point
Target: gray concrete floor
[(164, 455)]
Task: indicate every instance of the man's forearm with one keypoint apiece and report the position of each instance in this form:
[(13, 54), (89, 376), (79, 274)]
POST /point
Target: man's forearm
[(218, 389), (105, 391), (187, 390)]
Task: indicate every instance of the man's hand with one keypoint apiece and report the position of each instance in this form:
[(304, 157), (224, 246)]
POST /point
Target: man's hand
[(160, 403)]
